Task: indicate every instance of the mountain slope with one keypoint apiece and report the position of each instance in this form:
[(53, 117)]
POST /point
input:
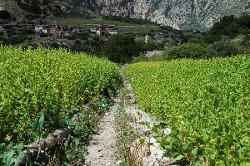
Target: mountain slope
[(183, 14), (12, 7)]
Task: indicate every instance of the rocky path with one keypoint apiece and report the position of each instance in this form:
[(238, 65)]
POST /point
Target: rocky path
[(102, 149)]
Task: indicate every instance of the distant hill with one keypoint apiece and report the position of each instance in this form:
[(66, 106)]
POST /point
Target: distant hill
[(184, 14), (180, 14), (12, 7), (19, 8)]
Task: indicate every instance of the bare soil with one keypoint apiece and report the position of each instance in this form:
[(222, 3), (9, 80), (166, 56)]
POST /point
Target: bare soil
[(102, 149)]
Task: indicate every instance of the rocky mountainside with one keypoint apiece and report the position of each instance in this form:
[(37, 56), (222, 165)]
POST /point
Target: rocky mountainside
[(182, 14), (20, 8), (12, 7)]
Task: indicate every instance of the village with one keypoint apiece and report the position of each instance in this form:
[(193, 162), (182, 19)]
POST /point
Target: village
[(35, 27), (42, 29), (34, 31), (69, 32)]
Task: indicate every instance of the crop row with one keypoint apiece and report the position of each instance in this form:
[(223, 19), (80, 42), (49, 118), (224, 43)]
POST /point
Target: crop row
[(46, 82), (206, 103)]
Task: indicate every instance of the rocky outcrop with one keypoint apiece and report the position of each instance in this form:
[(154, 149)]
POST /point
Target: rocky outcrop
[(12, 7), (20, 8), (185, 14)]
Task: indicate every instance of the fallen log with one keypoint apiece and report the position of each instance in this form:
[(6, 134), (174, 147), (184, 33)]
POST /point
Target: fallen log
[(51, 142)]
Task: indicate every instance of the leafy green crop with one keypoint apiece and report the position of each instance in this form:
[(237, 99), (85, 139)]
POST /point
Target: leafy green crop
[(45, 85), (206, 103)]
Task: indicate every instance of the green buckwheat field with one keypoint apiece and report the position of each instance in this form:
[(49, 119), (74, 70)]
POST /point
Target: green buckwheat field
[(206, 103), (40, 89), (124, 82)]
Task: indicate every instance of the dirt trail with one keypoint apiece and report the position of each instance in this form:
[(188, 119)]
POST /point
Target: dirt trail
[(102, 149)]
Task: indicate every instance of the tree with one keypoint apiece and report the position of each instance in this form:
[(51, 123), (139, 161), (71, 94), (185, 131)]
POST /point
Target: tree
[(121, 48)]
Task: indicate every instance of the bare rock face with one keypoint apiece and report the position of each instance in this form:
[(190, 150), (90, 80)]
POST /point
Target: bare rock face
[(12, 7), (184, 14), (180, 14)]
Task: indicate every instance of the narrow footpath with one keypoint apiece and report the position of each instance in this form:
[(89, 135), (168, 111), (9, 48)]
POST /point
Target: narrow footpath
[(102, 149)]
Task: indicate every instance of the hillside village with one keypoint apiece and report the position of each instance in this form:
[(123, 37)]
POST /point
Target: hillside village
[(33, 30), (38, 29), (69, 32), (55, 30)]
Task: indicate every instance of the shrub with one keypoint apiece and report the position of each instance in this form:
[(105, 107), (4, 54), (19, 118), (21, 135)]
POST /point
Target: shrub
[(140, 58), (230, 26), (90, 46), (149, 46), (189, 50), (118, 48), (121, 48), (246, 41), (225, 48)]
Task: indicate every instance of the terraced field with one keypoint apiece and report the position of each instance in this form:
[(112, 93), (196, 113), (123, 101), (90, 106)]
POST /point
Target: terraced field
[(206, 103), (40, 90)]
